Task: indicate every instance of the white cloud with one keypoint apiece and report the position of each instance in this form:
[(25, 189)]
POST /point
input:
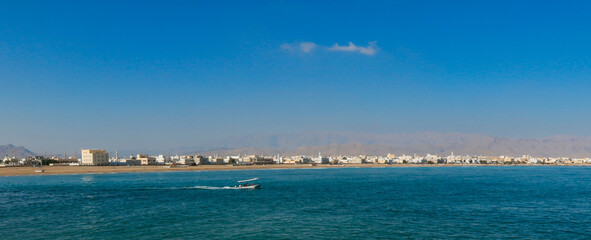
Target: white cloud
[(369, 50), (308, 47)]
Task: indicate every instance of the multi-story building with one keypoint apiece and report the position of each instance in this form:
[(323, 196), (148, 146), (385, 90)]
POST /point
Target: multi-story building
[(146, 160), (94, 157), (201, 160), (161, 159)]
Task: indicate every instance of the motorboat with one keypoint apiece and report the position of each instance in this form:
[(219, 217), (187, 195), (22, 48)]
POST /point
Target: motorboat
[(247, 184)]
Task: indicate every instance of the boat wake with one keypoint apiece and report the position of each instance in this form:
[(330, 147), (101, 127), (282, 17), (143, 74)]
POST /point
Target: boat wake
[(212, 188), (188, 188)]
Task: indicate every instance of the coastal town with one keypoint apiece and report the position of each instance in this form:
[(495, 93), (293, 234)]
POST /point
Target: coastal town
[(101, 157)]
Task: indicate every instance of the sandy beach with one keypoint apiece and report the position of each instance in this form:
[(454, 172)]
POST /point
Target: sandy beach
[(54, 170)]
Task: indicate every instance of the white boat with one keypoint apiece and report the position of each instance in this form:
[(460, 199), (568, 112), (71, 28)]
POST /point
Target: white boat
[(247, 184)]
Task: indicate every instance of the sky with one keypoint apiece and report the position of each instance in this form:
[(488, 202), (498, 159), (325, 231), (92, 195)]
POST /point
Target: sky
[(166, 74)]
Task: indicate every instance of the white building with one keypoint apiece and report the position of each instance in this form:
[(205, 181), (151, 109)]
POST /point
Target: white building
[(320, 159), (404, 159), (161, 159)]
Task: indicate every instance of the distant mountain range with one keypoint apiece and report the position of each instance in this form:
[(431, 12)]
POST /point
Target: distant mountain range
[(411, 143), (346, 143), (12, 150)]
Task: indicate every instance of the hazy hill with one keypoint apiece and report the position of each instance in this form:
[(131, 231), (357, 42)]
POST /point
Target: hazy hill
[(293, 141), (11, 150), (420, 143)]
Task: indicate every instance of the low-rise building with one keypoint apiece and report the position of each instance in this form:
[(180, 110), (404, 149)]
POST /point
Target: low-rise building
[(201, 160), (187, 160), (133, 162), (320, 159), (217, 160), (256, 159)]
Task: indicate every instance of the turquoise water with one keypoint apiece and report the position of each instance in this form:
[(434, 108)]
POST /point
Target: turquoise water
[(346, 203)]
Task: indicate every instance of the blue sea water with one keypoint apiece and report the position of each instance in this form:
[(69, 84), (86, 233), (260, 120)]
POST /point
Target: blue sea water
[(343, 203)]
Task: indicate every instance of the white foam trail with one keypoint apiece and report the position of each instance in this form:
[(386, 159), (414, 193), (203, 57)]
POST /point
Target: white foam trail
[(212, 188)]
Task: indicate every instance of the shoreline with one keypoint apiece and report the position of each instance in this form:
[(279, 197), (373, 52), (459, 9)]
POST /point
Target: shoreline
[(66, 170)]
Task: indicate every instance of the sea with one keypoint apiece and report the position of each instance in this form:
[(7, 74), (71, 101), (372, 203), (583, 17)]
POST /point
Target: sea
[(513, 202)]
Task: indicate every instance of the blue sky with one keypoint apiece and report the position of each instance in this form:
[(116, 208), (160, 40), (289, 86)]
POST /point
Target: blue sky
[(164, 74)]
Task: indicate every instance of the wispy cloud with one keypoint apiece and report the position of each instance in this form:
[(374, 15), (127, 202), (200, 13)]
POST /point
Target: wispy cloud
[(309, 47), (306, 47), (370, 49)]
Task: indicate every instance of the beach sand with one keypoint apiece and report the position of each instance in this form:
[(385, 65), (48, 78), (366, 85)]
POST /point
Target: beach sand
[(53, 170)]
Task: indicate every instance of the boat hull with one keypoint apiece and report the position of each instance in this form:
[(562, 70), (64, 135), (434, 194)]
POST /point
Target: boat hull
[(255, 186)]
